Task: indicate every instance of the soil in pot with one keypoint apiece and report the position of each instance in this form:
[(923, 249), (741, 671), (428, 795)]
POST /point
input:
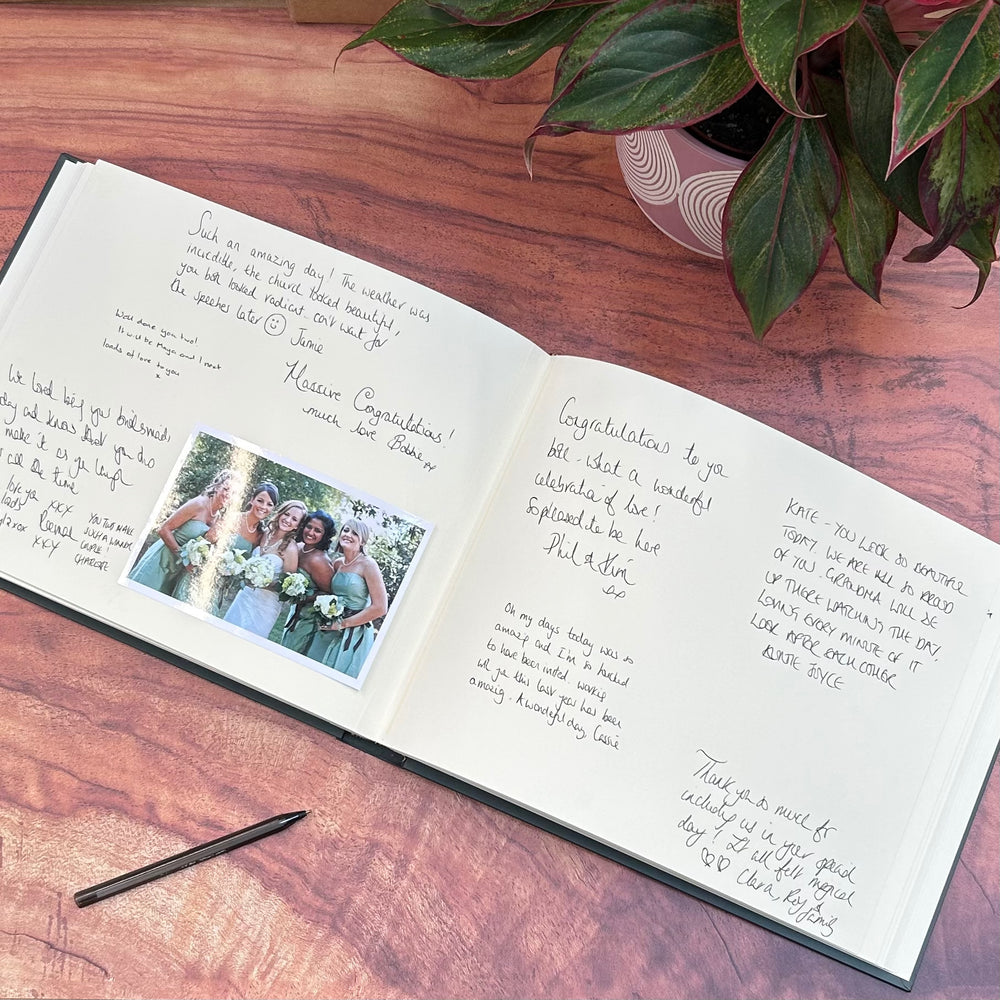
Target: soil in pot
[(741, 129)]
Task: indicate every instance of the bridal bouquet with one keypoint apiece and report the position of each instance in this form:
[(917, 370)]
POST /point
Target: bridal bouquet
[(300, 589), (328, 606), (294, 585), (232, 563), (196, 551), (259, 571)]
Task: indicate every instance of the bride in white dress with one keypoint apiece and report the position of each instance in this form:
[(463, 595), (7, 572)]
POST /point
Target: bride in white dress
[(256, 609)]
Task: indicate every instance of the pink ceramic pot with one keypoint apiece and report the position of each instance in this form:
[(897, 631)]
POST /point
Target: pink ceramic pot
[(680, 184)]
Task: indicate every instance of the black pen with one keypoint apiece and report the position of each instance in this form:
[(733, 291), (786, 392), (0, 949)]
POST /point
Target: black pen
[(186, 858)]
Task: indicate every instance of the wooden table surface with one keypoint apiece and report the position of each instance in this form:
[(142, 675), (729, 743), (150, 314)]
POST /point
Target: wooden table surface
[(395, 887)]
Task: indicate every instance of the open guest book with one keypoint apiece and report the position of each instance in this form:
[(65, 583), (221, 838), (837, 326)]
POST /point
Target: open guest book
[(620, 610)]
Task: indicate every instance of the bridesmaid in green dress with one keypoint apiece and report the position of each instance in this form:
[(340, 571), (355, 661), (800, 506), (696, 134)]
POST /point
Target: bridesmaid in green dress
[(314, 538), (344, 644), (239, 533), (160, 567)]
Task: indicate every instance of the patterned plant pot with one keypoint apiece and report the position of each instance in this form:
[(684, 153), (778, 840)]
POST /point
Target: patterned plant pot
[(680, 184)]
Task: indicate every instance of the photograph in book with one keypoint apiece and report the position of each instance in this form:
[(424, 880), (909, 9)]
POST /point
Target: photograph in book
[(305, 566)]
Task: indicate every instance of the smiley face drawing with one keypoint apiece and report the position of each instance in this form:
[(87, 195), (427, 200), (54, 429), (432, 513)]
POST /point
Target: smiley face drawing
[(274, 325)]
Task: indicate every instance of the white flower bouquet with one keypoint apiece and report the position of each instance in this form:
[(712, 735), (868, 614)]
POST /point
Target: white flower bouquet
[(232, 563), (259, 571), (294, 585), (195, 552), (328, 606)]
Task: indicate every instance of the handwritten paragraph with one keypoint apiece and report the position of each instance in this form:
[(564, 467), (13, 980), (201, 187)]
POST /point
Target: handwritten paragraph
[(284, 296), (58, 444), (308, 311), (558, 673), (842, 608), (607, 491), (752, 845), (154, 349)]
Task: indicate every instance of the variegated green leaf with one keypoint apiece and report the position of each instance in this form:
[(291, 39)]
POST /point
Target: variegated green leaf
[(777, 224), (960, 179), (430, 38), (865, 220), (952, 68), (673, 63), (872, 59), (497, 11), (777, 32), (979, 245), (590, 37)]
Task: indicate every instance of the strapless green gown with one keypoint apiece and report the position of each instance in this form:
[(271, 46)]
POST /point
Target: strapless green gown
[(301, 635), (227, 587), (346, 651), (159, 569)]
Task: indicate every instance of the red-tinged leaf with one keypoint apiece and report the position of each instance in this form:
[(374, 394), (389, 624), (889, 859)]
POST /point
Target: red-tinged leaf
[(951, 69), (776, 33), (582, 46), (500, 11), (529, 143), (428, 37), (872, 59), (777, 225), (960, 177), (672, 63), (979, 245), (865, 220)]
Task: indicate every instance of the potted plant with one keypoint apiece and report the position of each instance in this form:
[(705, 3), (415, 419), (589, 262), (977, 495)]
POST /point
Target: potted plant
[(879, 109)]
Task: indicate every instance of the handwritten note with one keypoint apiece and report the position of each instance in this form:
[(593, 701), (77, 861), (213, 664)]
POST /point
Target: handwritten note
[(842, 608), (154, 349), (558, 673), (59, 443), (298, 307), (750, 843), (607, 491), (284, 296)]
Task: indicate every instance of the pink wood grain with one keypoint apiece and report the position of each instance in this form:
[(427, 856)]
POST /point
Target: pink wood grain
[(395, 887)]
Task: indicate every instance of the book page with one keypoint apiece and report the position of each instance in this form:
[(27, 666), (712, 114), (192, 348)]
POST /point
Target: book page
[(705, 644), (64, 182), (166, 359)]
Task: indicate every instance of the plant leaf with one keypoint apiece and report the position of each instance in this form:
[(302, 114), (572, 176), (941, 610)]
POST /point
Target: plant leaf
[(979, 245), (529, 144), (492, 11), (436, 41), (777, 224), (873, 56), (865, 220), (776, 33), (872, 59), (590, 37), (628, 82), (960, 178), (950, 69)]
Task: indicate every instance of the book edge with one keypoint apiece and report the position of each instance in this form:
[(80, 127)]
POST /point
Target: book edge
[(62, 159)]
